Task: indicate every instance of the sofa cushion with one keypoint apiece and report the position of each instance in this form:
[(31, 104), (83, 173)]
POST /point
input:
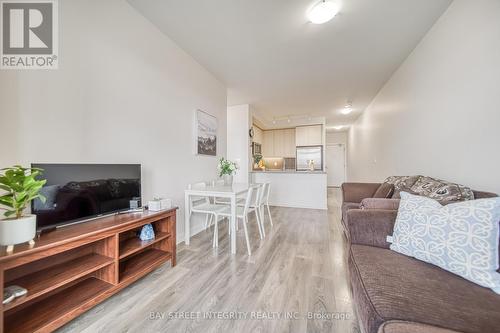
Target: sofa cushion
[(398, 326), (401, 183), (385, 190), (461, 237), (390, 286), (441, 190), (377, 203)]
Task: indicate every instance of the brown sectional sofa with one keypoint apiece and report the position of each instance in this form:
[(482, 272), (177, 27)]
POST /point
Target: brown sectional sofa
[(394, 293)]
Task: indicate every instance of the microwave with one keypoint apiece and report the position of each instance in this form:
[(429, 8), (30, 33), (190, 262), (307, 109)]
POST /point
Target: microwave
[(256, 149)]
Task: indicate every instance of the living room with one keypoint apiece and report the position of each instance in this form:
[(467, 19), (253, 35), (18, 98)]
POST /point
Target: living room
[(313, 128)]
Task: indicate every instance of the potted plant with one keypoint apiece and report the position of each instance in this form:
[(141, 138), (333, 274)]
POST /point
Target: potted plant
[(256, 160), (19, 186), (226, 170)]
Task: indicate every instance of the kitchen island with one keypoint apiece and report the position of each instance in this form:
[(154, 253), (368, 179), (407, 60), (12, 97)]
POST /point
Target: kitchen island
[(298, 189)]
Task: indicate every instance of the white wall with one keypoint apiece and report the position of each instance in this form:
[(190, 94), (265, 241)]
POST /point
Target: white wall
[(439, 114), (333, 138), (239, 121), (123, 93)]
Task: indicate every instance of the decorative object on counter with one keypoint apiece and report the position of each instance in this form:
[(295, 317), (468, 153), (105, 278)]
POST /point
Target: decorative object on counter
[(311, 165), (226, 170), (206, 134), (158, 204), (256, 161), (135, 203), (21, 186), (147, 233)]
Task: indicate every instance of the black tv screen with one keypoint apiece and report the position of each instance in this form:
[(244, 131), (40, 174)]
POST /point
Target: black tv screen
[(77, 192)]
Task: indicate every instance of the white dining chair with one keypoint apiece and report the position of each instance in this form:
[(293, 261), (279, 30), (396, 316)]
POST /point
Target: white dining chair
[(202, 205), (241, 213), (224, 201), (264, 205), (254, 207)]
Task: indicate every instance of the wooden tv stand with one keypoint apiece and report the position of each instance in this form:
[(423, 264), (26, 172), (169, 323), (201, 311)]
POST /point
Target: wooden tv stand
[(72, 269)]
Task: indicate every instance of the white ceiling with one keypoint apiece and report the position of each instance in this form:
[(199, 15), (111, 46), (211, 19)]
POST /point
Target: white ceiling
[(269, 56)]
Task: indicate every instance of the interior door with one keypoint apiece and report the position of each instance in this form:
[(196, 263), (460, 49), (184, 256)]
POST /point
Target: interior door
[(335, 165)]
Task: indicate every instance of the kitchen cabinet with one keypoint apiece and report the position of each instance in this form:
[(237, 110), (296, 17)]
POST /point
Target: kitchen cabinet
[(268, 143), (279, 143), (289, 148), (309, 135), (257, 135)]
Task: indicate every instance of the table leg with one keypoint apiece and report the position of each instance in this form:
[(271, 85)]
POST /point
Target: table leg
[(187, 217), (233, 224)]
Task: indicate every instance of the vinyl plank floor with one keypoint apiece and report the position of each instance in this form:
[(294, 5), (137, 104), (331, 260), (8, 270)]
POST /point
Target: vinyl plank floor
[(294, 281)]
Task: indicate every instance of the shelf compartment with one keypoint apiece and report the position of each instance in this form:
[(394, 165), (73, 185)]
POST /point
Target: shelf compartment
[(132, 245), (45, 314), (138, 265), (46, 280)]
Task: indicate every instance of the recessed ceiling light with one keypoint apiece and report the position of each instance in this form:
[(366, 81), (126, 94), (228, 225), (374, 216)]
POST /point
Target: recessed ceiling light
[(323, 11), (338, 127), (346, 110)]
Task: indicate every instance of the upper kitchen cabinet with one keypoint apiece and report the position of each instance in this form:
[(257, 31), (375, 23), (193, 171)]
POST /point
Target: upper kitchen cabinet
[(268, 143), (257, 135), (279, 143), (309, 135), (289, 146)]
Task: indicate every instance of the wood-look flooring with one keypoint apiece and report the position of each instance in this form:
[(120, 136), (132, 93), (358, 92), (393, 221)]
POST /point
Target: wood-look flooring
[(299, 270)]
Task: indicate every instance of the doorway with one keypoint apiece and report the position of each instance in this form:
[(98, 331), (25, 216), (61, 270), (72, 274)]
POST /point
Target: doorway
[(335, 165)]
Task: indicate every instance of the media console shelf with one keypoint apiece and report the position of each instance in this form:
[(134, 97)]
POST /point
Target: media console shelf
[(72, 269)]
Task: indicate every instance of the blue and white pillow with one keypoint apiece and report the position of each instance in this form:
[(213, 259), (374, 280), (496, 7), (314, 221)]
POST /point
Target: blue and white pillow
[(461, 238)]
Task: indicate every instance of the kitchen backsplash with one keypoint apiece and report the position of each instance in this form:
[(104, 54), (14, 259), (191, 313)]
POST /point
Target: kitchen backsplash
[(274, 163)]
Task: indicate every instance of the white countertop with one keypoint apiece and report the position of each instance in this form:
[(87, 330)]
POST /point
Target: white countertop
[(289, 171)]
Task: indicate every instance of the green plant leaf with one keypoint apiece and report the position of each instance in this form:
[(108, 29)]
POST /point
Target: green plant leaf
[(9, 213)]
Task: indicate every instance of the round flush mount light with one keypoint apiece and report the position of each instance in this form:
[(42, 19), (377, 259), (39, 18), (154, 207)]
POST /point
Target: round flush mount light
[(338, 128), (323, 11), (347, 108)]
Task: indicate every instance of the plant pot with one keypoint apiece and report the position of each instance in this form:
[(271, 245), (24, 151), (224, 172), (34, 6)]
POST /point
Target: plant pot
[(228, 180), (17, 231)]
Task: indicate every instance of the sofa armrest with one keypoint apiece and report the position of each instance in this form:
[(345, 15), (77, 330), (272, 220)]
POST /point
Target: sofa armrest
[(355, 192), (370, 226)]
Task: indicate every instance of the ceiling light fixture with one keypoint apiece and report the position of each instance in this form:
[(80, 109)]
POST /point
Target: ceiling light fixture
[(323, 11), (347, 108), (338, 127), (289, 120)]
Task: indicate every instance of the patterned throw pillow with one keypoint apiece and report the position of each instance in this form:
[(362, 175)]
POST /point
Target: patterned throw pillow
[(442, 191), (461, 237), (401, 183)]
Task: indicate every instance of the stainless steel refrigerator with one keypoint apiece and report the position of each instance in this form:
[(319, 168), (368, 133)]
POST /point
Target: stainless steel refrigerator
[(310, 156)]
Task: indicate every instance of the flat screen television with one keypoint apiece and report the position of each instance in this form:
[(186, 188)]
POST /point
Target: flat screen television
[(79, 192)]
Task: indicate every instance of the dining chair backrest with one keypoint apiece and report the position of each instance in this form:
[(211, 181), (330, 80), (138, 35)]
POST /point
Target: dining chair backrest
[(248, 201), (217, 182), (263, 193), (197, 199), (257, 194)]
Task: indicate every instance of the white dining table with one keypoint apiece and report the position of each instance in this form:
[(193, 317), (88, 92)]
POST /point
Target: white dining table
[(219, 191)]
